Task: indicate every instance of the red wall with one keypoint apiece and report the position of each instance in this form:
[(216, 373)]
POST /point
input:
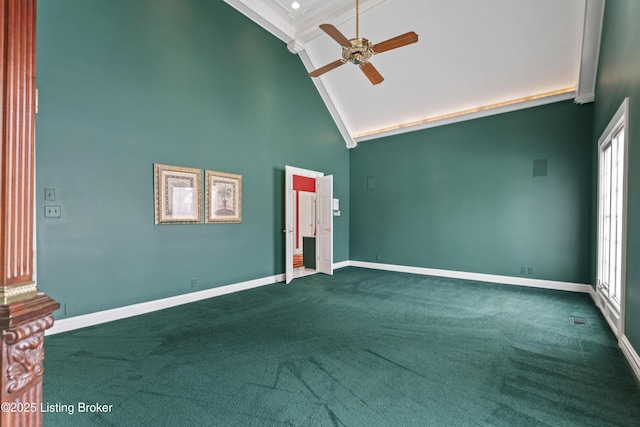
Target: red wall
[(304, 183)]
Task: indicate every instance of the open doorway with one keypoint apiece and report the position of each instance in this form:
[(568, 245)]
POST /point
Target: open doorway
[(304, 250), (309, 223)]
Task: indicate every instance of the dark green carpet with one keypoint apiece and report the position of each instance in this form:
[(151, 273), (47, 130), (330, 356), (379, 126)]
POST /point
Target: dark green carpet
[(361, 348)]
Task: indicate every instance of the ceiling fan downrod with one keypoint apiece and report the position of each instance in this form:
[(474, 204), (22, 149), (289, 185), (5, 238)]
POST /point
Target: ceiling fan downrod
[(357, 19)]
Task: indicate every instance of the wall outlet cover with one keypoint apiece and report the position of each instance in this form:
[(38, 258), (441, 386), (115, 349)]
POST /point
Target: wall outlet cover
[(371, 183)]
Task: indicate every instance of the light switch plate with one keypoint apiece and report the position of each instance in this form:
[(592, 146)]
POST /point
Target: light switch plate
[(49, 194), (52, 211)]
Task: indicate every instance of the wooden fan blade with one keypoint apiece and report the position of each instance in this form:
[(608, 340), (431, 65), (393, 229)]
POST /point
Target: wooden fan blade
[(396, 42), (372, 74), (320, 71), (335, 34)]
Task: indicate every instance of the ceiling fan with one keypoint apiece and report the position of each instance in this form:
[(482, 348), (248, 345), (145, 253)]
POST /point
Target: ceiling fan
[(359, 50)]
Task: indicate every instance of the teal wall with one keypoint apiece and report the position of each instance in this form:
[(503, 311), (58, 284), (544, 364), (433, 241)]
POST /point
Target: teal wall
[(194, 83), (463, 196), (619, 77), (125, 84)]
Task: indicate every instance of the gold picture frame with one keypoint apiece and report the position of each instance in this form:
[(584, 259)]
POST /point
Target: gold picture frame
[(178, 194), (223, 203)]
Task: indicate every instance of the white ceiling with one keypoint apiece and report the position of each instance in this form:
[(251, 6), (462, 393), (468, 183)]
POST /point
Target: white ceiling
[(473, 58)]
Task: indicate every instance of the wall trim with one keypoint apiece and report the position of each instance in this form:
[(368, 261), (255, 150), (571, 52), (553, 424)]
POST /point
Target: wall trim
[(481, 277), (91, 319), (631, 355), (626, 347), (341, 264), (506, 106), (98, 317)]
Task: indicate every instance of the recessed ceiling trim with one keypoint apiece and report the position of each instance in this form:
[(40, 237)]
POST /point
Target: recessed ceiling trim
[(473, 113)]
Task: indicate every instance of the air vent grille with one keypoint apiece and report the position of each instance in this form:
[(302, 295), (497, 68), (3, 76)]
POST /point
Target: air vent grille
[(574, 320)]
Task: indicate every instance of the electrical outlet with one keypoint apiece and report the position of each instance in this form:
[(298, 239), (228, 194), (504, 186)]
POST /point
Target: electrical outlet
[(529, 270), (523, 270), (70, 308), (49, 194), (194, 282), (52, 211), (378, 257)]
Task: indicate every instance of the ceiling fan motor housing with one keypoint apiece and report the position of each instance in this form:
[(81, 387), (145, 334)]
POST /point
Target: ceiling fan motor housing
[(360, 51)]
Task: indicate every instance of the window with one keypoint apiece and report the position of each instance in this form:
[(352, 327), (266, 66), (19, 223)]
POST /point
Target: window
[(612, 183)]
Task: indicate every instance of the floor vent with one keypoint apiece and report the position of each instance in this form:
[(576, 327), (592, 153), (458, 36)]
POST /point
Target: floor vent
[(577, 320)]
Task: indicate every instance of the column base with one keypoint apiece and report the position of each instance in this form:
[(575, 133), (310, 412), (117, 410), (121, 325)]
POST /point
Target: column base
[(22, 325)]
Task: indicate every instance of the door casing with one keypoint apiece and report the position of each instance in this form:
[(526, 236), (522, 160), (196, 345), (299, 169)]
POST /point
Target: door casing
[(289, 229)]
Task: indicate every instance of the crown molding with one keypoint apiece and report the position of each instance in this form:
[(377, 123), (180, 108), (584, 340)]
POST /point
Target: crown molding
[(475, 113)]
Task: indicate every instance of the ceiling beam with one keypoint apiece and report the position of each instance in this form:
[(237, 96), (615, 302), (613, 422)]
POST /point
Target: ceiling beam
[(331, 106), (591, 35)]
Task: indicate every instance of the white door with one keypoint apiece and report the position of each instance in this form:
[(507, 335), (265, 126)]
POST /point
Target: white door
[(289, 225), (324, 243)]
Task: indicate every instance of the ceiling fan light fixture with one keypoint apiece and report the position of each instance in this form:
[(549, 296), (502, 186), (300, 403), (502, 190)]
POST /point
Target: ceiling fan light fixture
[(360, 52), (295, 5)]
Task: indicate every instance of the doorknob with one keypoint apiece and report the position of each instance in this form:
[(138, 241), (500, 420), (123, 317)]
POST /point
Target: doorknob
[(327, 229), (287, 231)]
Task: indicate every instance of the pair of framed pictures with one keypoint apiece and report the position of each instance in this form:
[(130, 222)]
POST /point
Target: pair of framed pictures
[(178, 196)]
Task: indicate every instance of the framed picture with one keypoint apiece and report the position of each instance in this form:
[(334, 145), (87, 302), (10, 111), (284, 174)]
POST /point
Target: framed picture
[(224, 197), (178, 195)]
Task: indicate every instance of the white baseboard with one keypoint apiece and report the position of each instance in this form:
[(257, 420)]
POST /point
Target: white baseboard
[(341, 264), (77, 322), (625, 345), (91, 319), (508, 280), (631, 355)]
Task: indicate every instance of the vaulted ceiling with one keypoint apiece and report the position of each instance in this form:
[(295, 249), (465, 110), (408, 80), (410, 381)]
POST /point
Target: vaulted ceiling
[(473, 58)]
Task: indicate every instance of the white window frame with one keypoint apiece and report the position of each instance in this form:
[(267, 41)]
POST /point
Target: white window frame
[(612, 308)]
